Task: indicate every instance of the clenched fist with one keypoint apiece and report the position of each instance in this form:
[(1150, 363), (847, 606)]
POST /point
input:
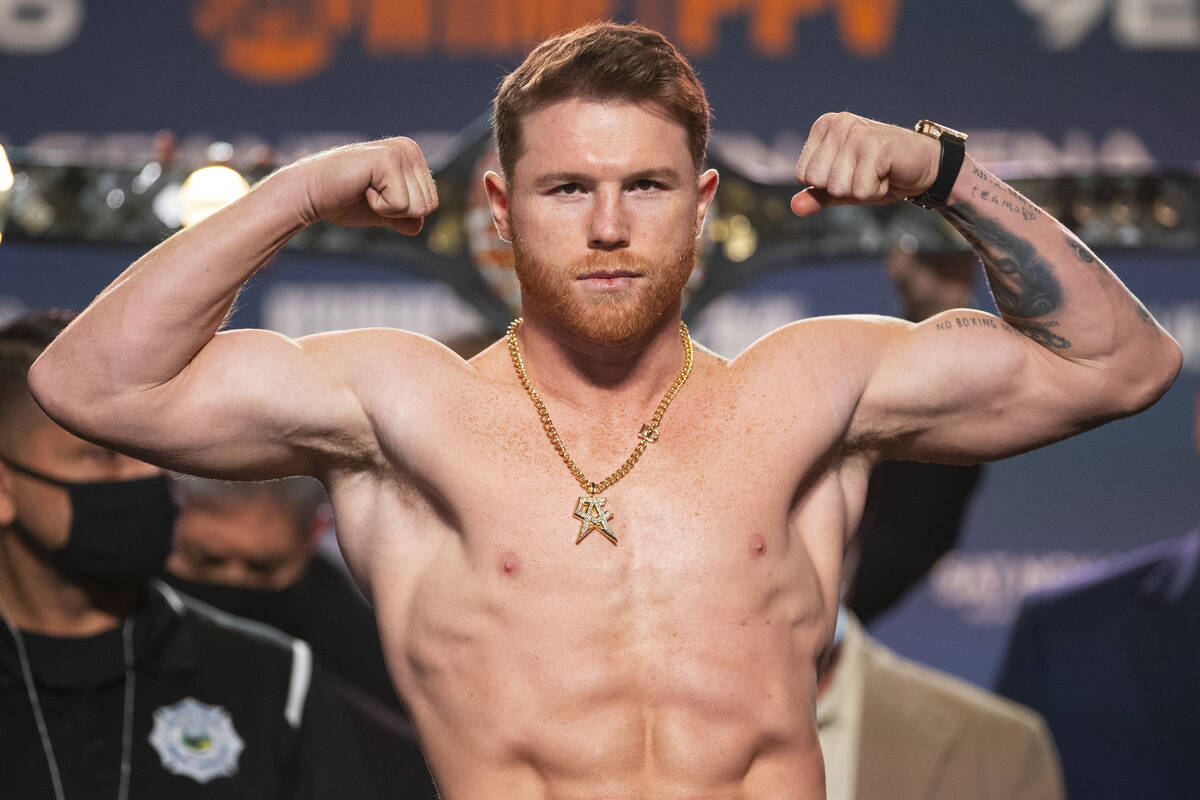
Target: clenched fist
[(849, 160), (386, 182)]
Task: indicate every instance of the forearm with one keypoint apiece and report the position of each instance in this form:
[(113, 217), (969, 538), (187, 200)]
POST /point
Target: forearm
[(1050, 287)]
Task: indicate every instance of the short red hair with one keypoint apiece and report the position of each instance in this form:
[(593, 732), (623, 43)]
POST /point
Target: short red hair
[(602, 61)]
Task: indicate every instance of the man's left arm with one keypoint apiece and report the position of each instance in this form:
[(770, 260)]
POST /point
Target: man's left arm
[(1073, 348)]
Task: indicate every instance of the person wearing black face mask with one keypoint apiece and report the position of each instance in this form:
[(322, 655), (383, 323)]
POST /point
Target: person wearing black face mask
[(111, 683), (120, 529), (253, 549)]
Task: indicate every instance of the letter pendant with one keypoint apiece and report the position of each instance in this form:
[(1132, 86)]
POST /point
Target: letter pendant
[(590, 510)]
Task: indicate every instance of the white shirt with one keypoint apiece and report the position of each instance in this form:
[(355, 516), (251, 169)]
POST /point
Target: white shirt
[(839, 717)]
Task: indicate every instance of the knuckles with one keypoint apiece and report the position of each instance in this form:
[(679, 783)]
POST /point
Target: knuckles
[(366, 183), (405, 148), (841, 124), (842, 155)]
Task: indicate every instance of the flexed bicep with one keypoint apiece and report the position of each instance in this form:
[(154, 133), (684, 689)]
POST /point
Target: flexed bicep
[(966, 386), (251, 404)]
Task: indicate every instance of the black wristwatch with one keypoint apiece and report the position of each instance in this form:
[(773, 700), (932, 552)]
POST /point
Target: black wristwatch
[(954, 148)]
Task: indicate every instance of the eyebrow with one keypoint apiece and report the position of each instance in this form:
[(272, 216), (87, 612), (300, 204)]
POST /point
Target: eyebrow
[(666, 174)]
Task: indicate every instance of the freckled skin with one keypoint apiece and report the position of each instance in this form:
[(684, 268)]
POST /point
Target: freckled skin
[(679, 663)]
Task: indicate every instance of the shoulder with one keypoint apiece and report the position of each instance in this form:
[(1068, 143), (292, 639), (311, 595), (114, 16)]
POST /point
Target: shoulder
[(816, 369), (394, 372), (836, 350), (382, 348), (833, 335)]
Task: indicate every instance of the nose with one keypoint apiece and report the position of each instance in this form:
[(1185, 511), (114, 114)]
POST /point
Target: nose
[(608, 228)]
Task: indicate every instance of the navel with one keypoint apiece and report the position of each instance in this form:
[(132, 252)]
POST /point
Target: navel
[(758, 545)]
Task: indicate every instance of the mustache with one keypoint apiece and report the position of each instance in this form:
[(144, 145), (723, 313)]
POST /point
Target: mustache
[(607, 262)]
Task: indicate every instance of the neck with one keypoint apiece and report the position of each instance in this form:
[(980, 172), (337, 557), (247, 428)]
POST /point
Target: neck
[(582, 371), (41, 599)]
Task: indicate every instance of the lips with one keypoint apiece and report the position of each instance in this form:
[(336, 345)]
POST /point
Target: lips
[(609, 280), (610, 274)]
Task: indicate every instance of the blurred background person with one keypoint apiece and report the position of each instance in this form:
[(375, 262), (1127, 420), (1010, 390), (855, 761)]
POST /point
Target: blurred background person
[(893, 729), (254, 550), (111, 683), (1110, 656)]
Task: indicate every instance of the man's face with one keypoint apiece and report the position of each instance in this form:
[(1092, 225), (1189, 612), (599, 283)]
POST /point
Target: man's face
[(250, 541), (603, 210), (43, 509)]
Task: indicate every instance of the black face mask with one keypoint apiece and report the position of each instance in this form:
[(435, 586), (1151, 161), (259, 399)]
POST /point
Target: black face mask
[(120, 530), (285, 609)]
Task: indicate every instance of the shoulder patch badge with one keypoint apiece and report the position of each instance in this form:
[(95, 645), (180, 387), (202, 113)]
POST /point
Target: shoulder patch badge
[(196, 740)]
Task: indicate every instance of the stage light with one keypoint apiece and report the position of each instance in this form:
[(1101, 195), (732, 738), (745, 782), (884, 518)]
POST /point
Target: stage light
[(6, 173), (207, 191), (1168, 205), (6, 183), (741, 240), (147, 177)]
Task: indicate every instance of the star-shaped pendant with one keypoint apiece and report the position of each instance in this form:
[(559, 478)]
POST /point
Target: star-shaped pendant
[(590, 511)]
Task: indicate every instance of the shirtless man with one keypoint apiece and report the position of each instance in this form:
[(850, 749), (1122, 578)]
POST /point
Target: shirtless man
[(680, 662)]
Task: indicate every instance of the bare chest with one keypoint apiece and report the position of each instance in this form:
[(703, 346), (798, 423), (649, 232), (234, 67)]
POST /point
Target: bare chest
[(720, 502)]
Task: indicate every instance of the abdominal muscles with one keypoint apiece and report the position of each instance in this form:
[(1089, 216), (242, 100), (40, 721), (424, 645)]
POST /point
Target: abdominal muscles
[(530, 679)]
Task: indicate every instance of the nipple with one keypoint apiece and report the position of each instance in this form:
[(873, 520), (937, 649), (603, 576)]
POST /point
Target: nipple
[(758, 545), (509, 564)]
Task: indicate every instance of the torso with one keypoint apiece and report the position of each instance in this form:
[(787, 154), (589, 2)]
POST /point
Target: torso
[(679, 663)]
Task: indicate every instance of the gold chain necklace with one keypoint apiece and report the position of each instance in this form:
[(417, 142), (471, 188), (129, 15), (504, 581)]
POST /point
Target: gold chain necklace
[(589, 509)]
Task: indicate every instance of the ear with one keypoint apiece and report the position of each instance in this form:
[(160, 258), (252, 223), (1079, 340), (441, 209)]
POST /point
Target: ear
[(706, 190), (497, 194)]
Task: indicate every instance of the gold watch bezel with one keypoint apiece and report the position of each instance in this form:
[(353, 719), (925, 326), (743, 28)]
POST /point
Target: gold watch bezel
[(935, 130)]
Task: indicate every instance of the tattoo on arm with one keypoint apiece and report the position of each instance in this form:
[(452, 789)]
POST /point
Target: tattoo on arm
[(1041, 333), (1038, 331), (1022, 280), (1004, 197), (1087, 257), (1082, 253)]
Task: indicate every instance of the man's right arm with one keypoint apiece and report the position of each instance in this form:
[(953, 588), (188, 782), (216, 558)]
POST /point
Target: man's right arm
[(144, 369)]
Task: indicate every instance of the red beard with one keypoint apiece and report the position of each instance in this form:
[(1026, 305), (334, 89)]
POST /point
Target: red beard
[(616, 316)]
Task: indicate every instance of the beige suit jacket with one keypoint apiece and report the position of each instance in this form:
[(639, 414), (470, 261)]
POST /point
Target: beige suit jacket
[(927, 735)]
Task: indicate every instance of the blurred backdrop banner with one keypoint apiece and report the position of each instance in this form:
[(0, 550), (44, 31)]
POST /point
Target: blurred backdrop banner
[(1077, 83), (1085, 90)]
